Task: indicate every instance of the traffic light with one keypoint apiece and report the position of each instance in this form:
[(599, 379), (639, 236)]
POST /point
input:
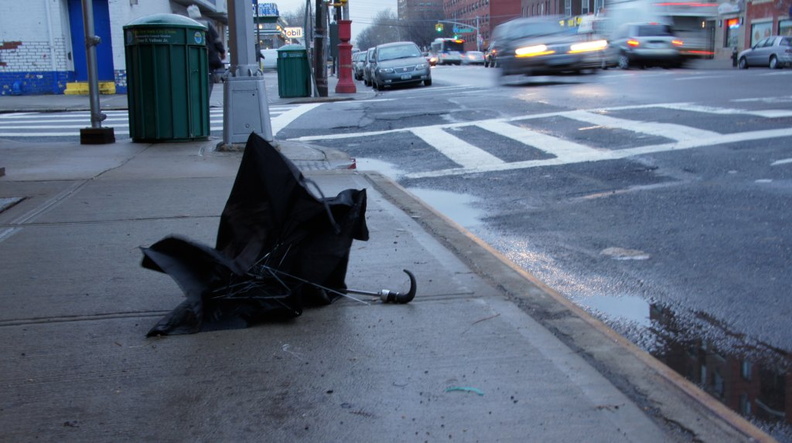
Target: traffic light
[(439, 27)]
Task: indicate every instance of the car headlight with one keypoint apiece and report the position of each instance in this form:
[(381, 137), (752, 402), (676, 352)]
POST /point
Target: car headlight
[(420, 66), (533, 51), (595, 45), (386, 70)]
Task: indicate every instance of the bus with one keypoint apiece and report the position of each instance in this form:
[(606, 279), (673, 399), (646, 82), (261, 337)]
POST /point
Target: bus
[(446, 51)]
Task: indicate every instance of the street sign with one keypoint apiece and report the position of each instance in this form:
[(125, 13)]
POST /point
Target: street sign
[(461, 30)]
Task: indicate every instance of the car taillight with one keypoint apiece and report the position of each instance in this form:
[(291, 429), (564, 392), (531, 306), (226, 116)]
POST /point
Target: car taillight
[(633, 43), (677, 42)]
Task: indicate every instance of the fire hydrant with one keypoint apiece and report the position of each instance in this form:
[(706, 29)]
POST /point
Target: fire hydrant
[(734, 57)]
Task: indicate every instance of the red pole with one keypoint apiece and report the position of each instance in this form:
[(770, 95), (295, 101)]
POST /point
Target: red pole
[(345, 83)]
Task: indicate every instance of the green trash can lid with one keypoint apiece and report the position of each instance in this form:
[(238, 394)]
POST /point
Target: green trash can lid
[(166, 21), (291, 48)]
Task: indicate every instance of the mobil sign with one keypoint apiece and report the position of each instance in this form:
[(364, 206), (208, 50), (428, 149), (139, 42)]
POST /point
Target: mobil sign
[(293, 32)]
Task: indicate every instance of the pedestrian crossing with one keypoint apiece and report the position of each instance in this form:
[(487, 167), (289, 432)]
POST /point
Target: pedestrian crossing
[(560, 148), (68, 124)]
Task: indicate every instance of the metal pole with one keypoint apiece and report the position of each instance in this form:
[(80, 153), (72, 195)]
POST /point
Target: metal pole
[(320, 66), (95, 134), (258, 32), (478, 36), (306, 18), (91, 41)]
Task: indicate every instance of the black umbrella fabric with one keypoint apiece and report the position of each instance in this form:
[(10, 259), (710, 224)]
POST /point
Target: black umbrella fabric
[(279, 248)]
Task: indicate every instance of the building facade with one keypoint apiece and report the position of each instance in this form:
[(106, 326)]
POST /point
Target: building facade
[(420, 10), (565, 8), (480, 15), (741, 24), (42, 49)]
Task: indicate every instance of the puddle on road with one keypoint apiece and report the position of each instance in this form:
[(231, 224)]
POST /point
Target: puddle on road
[(457, 207), (629, 308), (385, 168), (753, 379)]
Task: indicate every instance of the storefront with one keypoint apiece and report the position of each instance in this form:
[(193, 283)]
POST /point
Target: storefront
[(767, 18), (730, 30)]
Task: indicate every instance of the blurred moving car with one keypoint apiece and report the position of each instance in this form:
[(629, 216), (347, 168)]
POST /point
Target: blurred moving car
[(367, 65), (491, 56), (399, 63), (473, 58), (358, 63), (644, 44), (774, 52), (542, 46)]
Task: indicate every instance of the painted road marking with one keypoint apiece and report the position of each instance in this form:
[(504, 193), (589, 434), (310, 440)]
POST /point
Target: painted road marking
[(476, 160), (612, 155), (28, 124), (563, 149), (456, 149), (769, 113), (667, 130)]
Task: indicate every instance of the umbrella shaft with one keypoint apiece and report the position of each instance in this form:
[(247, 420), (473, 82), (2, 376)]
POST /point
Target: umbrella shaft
[(358, 291)]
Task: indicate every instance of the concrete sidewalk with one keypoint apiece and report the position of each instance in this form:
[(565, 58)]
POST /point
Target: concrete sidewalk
[(484, 352)]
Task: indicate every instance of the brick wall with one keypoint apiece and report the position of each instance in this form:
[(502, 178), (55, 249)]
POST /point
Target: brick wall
[(36, 46)]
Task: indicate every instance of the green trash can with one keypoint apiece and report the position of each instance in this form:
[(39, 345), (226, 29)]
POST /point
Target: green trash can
[(294, 73), (167, 78)]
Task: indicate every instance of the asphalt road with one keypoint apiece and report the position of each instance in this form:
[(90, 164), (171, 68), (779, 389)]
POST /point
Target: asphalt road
[(656, 199)]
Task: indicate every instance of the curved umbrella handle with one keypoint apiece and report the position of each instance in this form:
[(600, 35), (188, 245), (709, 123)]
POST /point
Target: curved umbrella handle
[(397, 297)]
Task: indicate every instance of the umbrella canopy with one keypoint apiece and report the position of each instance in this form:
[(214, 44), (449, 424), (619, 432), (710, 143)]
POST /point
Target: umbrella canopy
[(279, 248)]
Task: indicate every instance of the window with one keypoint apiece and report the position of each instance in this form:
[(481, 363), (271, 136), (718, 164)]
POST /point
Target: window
[(746, 369), (760, 31), (785, 27)]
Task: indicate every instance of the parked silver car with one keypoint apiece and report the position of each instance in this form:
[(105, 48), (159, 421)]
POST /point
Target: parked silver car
[(358, 63), (400, 63), (774, 52)]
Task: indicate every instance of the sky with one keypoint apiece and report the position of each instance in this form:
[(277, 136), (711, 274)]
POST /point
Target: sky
[(361, 12)]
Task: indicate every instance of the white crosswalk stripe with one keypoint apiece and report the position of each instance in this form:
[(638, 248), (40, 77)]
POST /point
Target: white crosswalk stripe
[(563, 149), (472, 159), (68, 124), (458, 150), (676, 132)]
